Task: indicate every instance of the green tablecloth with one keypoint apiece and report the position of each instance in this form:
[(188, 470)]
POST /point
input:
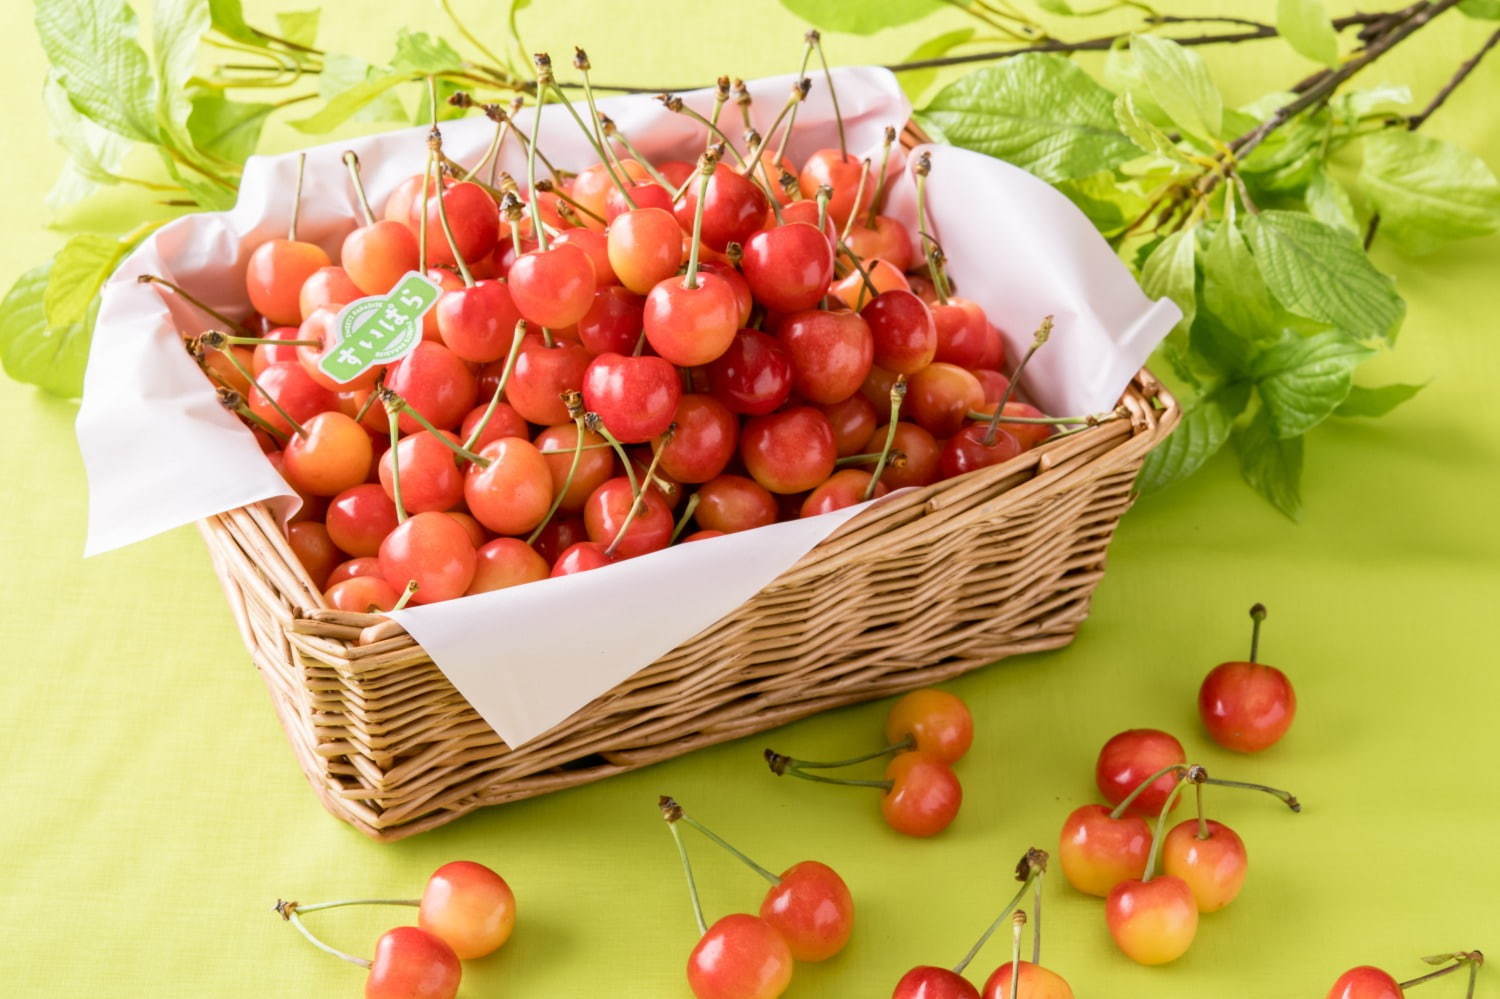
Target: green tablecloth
[(152, 812)]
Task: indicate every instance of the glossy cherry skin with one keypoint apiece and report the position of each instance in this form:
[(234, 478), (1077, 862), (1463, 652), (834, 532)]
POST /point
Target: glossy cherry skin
[(274, 276), (560, 533), (469, 907), (922, 453), (754, 375), (613, 322), (789, 267), (1365, 982), (503, 422), (1152, 922), (361, 595), (844, 488), (376, 256), (1028, 435), (313, 547), (333, 454), (434, 381), (905, 336), (736, 281), (605, 512), (596, 464), (733, 211), (841, 172), (359, 518), (888, 240), (553, 287), (290, 385), (690, 326), (636, 397), (972, 448), (596, 245), (433, 549), (262, 357), (1213, 868), (430, 477), (924, 797), (790, 451), (704, 441), (645, 194), (854, 292), (1128, 759), (411, 963), (645, 248), (1247, 707), (541, 376), (994, 385), (592, 185), (581, 557), (963, 333), (740, 957), (831, 353), (446, 280), (505, 562), (730, 503), (929, 982), (853, 423), (1033, 982), (513, 493), (477, 534), (354, 568), (478, 323), (327, 288), (812, 909), (941, 396), (938, 723), (472, 216), (1098, 852)]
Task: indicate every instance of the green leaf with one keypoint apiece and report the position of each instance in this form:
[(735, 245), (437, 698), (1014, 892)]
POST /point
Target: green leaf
[(1142, 131), (300, 26), (225, 128), (342, 72), (228, 19), (1122, 74), (177, 26), (1060, 7), (1329, 202), (419, 52), (1486, 10), (1428, 192), (1171, 271), (1202, 431), (1303, 379), (78, 270), (1040, 112), (1178, 80), (1287, 159), (1372, 402), (1272, 466), (95, 154), (915, 82), (861, 18), (1306, 27), (1381, 99), (98, 60), (33, 352), (1323, 273), (1234, 291), (349, 102), (1109, 204)]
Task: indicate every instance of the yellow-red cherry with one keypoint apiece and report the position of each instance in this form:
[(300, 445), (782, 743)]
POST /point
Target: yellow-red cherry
[(1152, 922), (790, 451), (731, 503), (1365, 982), (469, 907), (1247, 706), (936, 722), (1033, 982), (331, 454), (1098, 852), (512, 491), (359, 518), (505, 562), (740, 957), (433, 550), (924, 796), (375, 256), (930, 982), (812, 908), (274, 276), (1212, 865), (1129, 758), (361, 594)]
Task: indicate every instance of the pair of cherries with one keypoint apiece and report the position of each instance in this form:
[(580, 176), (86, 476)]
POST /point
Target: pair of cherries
[(466, 911), (927, 731)]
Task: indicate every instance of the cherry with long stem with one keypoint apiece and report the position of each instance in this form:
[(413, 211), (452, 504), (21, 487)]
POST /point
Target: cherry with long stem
[(920, 170), (592, 133), (612, 132), (882, 177), (784, 763), (898, 394), (707, 163), (290, 911), (799, 93), (576, 408), (593, 422), (351, 160), (1028, 872), (1471, 959), (675, 104), (395, 404), (581, 63), (435, 147), (639, 499), (859, 192), (674, 813), (217, 340), (1042, 333), (688, 509), (687, 870), (815, 39), (505, 372), (194, 301), (543, 82)]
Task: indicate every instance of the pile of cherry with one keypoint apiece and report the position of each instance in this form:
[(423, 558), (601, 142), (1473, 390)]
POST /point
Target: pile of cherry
[(622, 358)]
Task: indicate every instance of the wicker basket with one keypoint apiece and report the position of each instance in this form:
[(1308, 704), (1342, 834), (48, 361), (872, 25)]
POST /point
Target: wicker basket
[(1003, 561)]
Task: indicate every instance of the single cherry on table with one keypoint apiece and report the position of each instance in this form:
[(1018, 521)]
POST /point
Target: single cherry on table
[(1247, 706)]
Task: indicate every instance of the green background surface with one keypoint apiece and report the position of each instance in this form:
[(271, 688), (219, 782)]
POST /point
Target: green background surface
[(152, 812)]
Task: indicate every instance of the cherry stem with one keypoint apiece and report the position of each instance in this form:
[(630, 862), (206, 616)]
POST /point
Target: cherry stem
[(933, 254), (687, 870), (395, 425), (864, 275), (730, 847), (1018, 926), (859, 192), (406, 595), (1285, 797), (880, 182), (192, 300), (884, 785), (291, 229), (1119, 810), (815, 39), (687, 515), (639, 499), (422, 227), (288, 911), (235, 403), (898, 394), (435, 143), (351, 160), (581, 63), (396, 404), (567, 483), (896, 458), (543, 80), (1202, 822), (898, 747), (505, 372), (256, 341), (706, 164), (984, 938), (370, 400), (612, 131), (674, 104), (596, 140), (1161, 829), (1258, 616), (797, 96), (215, 340), (1473, 960), (546, 186), (597, 425), (721, 97), (1036, 921), (318, 906), (823, 195), (1042, 333), (502, 125)]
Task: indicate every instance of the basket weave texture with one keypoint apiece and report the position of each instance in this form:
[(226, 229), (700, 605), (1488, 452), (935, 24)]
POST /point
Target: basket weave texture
[(1001, 561)]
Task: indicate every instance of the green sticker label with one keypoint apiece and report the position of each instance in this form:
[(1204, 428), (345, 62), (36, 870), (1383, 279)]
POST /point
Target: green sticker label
[(381, 329)]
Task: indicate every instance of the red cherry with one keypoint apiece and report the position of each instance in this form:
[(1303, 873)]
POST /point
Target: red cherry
[(844, 488), (938, 723), (854, 292), (831, 353), (1247, 706), (541, 376), (327, 288), (435, 383), (941, 396), (263, 356), (736, 281), (512, 493), (732, 211), (1365, 982), (596, 245), (581, 557), (790, 451), (994, 384), (469, 907), (1152, 922), (1028, 435), (812, 909), (361, 595), (294, 391), (553, 287), (613, 322), (636, 397), (503, 422), (963, 334), (904, 333), (924, 797), (1128, 759), (694, 325), (596, 464), (922, 454), (968, 450), (704, 441), (430, 476), (1098, 852), (788, 267), (754, 375), (888, 240), (853, 424), (506, 562), (1214, 867), (645, 248), (478, 323), (359, 518), (313, 547), (740, 957), (353, 569), (840, 171), (645, 194), (411, 963), (472, 216), (446, 280), (731, 503), (805, 210), (559, 534), (994, 351), (274, 276), (375, 256), (477, 534), (434, 550), (928, 982), (1033, 982), (331, 455), (606, 509), (592, 186)]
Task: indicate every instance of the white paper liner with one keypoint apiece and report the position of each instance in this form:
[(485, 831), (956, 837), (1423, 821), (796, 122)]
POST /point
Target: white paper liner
[(160, 452)]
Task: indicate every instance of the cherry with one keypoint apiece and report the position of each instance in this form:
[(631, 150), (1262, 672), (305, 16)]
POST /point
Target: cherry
[(275, 274), (1247, 706), (1128, 758), (844, 488), (446, 280), (359, 518), (327, 288), (854, 290), (995, 386), (788, 267), (288, 387), (886, 239), (557, 535), (313, 547), (430, 478), (929, 982), (903, 330), (376, 255), (645, 194), (806, 210), (354, 568), (595, 463), (596, 245), (737, 282), (1033, 982), (982, 445), (613, 322), (704, 441), (811, 907), (941, 396), (645, 248), (922, 453), (994, 351), (789, 451), (608, 509), (1365, 982), (477, 534), (635, 397), (506, 562), (841, 171), (553, 287), (740, 957), (581, 557), (853, 424), (504, 421), (933, 721), (731, 503), (691, 320), (754, 375), (734, 208), (831, 353), (592, 187), (702, 536), (469, 907), (924, 795), (434, 382), (1099, 850), (361, 595), (543, 373), (261, 357), (472, 215), (1210, 858), (477, 322), (331, 453), (1153, 921), (511, 491), (433, 550), (313, 507), (963, 333), (411, 963)]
